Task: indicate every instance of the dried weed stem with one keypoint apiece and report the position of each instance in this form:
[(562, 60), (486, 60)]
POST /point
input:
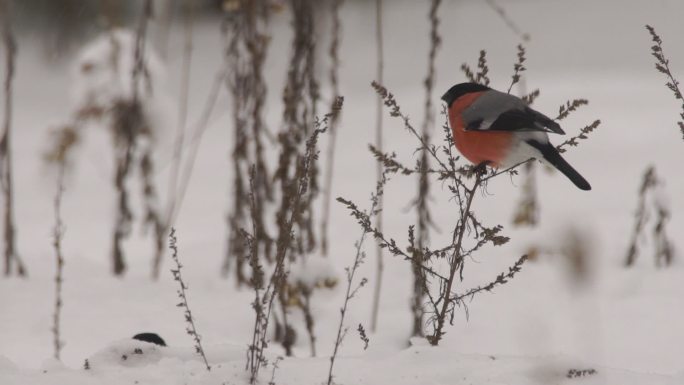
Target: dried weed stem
[(58, 234), (663, 66), (336, 33), (364, 219), (247, 41), (664, 253), (379, 167), (264, 301), (421, 202), (11, 256), (191, 329), (172, 198)]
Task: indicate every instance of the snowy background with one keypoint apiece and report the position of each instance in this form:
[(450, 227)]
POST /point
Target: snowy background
[(625, 323)]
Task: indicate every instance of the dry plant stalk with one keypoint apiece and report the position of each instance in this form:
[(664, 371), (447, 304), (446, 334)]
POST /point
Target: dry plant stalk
[(273, 372), (663, 66), (66, 137), (131, 132), (333, 52), (191, 329), (479, 77), (421, 202), (300, 97), (264, 300), (255, 352), (246, 24), (518, 68), (11, 256), (664, 253), (531, 97), (172, 197), (378, 171), (132, 135), (648, 182), (527, 212), (145, 140), (364, 219), (304, 305), (58, 234)]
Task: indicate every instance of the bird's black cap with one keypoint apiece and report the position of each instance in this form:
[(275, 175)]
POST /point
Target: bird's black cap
[(459, 90), (151, 338)]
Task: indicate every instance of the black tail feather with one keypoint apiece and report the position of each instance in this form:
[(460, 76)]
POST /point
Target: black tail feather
[(552, 156)]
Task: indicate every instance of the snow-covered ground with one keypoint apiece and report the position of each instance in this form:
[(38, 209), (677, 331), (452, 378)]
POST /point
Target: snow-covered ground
[(624, 323)]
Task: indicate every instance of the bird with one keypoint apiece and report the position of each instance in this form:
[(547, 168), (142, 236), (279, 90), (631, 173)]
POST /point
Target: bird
[(152, 338), (501, 130)]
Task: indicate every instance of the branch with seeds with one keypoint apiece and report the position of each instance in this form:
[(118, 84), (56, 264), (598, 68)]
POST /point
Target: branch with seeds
[(663, 66)]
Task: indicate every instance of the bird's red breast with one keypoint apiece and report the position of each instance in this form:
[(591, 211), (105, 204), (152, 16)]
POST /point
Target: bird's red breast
[(477, 146)]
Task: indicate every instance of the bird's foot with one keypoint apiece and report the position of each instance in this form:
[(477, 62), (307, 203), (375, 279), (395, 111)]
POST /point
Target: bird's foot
[(480, 170)]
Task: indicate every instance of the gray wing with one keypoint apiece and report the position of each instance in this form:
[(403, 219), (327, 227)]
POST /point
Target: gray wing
[(498, 111)]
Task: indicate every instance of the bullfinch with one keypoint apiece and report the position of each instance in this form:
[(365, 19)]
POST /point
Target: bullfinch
[(502, 130)]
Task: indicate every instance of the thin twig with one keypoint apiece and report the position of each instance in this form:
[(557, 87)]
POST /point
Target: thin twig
[(58, 234), (177, 276), (423, 211), (256, 348), (648, 182), (378, 144), (334, 69), (663, 65), (198, 133), (500, 280), (456, 260), (180, 130), (583, 135), (283, 246), (359, 257)]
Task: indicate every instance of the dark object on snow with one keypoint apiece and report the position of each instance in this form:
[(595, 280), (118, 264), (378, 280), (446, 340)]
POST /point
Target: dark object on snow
[(151, 338), (575, 373)]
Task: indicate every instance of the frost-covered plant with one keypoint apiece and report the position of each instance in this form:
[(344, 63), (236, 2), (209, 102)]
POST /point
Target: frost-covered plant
[(11, 256), (245, 29), (295, 224), (651, 202), (115, 79), (274, 186), (305, 278), (266, 294)]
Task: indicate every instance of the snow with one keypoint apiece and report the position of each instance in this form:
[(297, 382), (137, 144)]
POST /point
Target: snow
[(313, 272), (623, 323), (104, 66), (409, 366)]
